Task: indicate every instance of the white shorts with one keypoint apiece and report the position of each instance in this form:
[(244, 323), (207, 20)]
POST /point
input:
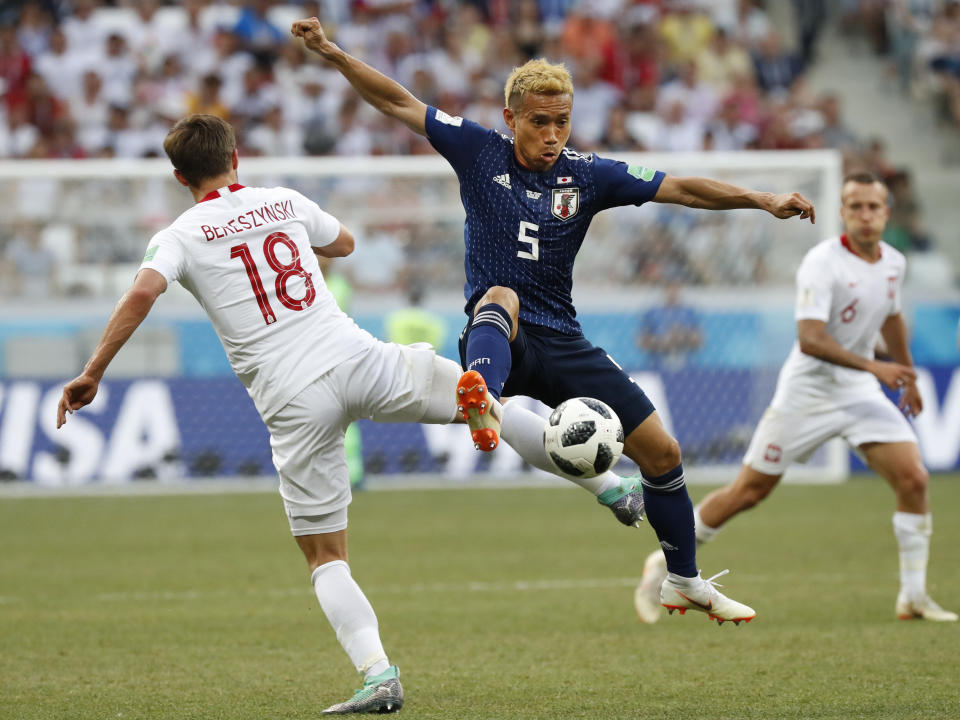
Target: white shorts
[(388, 383), (787, 435)]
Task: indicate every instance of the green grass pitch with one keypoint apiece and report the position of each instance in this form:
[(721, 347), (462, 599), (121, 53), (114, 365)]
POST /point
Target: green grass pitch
[(494, 603)]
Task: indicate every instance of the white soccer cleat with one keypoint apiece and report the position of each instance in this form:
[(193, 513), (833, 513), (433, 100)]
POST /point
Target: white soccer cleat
[(646, 598), (698, 594), (922, 608)]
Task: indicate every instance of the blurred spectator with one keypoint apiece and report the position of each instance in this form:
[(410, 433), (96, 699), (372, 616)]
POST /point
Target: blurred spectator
[(587, 36), (208, 100), (810, 18), (642, 51), (85, 33), (414, 324), (15, 67), (21, 135), (63, 144), (907, 21), (687, 30), (722, 62), (670, 333), (776, 67), (526, 28), (617, 137), (117, 68), (31, 265), (594, 97), (753, 25), (58, 67), (904, 229), (43, 109), (698, 98), (836, 133), (255, 30), (677, 130), (259, 93), (728, 131), (90, 111), (34, 28), (273, 136)]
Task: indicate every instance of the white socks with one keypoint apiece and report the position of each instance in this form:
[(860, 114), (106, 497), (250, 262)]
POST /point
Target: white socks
[(522, 430), (351, 616), (913, 536), (705, 533)]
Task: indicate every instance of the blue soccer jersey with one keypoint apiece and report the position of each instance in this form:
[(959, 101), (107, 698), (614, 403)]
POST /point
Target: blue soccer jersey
[(524, 228)]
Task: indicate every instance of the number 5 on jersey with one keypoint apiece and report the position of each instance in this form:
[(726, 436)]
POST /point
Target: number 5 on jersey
[(532, 240), (283, 270)]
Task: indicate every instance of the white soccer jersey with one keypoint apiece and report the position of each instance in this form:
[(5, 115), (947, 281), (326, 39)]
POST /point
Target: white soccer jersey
[(854, 298), (245, 254)]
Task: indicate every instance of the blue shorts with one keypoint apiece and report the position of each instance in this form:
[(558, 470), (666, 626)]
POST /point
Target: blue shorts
[(553, 367)]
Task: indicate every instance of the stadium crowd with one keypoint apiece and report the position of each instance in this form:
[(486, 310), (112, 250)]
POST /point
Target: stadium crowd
[(96, 79)]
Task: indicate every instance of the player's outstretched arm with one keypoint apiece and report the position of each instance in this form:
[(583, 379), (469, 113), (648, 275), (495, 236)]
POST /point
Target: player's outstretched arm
[(708, 194), (127, 315), (386, 95), (814, 340)]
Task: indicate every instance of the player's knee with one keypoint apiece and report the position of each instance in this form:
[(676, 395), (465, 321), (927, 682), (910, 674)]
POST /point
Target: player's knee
[(666, 458), (913, 481), (504, 297)]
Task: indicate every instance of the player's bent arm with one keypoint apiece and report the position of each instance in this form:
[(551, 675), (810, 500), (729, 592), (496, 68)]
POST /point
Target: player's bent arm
[(708, 194), (894, 334), (814, 340), (125, 318), (386, 95), (341, 247)]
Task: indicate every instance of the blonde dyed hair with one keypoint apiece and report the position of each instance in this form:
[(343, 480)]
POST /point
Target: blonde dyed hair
[(537, 77)]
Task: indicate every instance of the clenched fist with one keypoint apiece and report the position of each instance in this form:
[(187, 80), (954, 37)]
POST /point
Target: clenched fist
[(313, 36)]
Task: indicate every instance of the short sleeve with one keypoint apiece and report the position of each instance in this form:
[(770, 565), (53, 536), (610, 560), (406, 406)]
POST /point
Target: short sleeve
[(458, 140), (322, 227), (165, 254), (620, 184), (814, 292)]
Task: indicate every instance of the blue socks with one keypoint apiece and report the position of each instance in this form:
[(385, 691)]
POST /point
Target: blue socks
[(488, 346), (670, 513)]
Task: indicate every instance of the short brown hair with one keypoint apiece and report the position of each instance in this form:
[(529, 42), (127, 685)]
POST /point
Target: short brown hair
[(862, 177), (201, 147), (537, 77)]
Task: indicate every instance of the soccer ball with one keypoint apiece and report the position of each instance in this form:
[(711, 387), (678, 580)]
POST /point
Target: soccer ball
[(583, 437)]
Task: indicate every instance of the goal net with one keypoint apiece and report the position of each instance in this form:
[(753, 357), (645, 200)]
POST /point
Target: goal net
[(171, 409)]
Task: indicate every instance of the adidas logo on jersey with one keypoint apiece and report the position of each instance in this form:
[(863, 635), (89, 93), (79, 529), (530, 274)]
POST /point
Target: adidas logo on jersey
[(503, 180)]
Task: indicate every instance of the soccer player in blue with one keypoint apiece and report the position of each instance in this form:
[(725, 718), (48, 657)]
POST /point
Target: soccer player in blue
[(528, 202)]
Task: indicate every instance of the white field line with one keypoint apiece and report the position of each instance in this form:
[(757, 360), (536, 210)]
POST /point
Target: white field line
[(414, 589)]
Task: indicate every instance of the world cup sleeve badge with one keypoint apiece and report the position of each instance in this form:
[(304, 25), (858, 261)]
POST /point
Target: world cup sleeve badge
[(565, 202)]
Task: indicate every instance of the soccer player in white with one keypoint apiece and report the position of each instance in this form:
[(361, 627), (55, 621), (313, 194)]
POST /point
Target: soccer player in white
[(249, 256), (848, 292)]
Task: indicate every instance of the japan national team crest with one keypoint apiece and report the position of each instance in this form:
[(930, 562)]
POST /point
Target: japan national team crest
[(565, 203)]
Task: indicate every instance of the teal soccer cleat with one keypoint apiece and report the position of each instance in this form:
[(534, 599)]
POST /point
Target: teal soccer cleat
[(380, 694), (625, 501)]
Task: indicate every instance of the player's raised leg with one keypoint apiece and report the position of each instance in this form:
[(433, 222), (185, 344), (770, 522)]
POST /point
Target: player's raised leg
[(487, 361), (351, 616), (523, 431), (670, 513), (901, 465)]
